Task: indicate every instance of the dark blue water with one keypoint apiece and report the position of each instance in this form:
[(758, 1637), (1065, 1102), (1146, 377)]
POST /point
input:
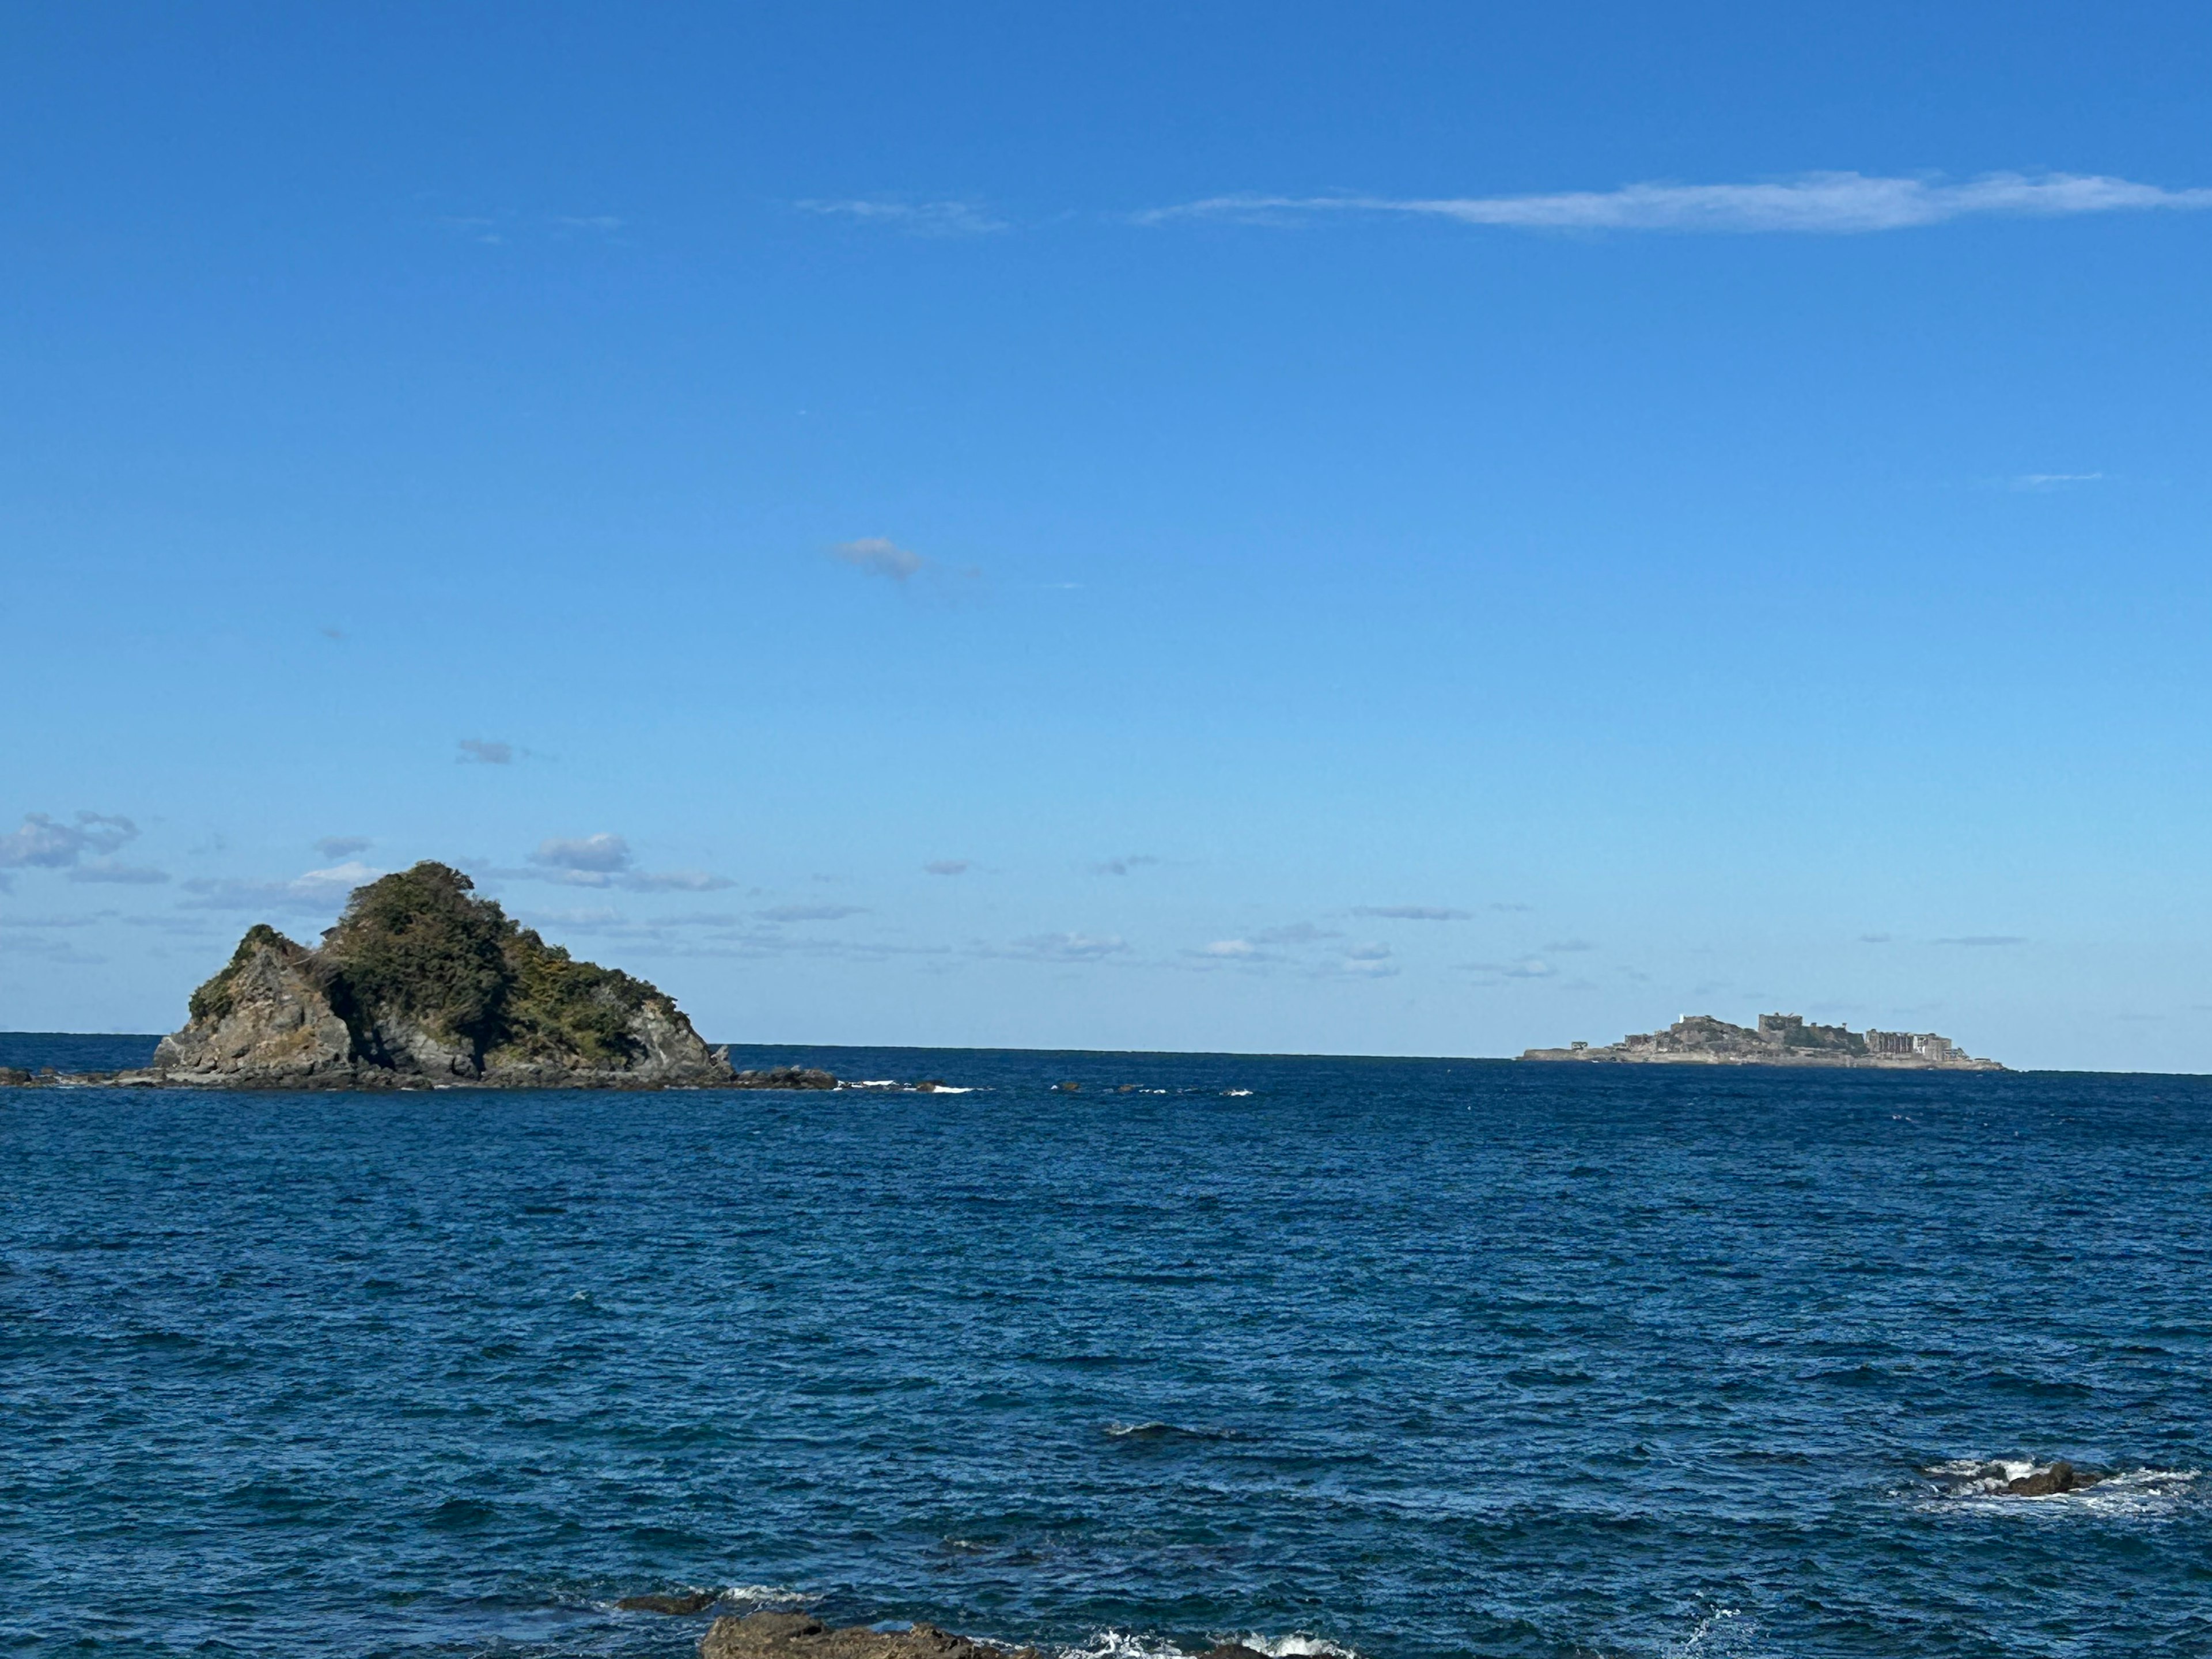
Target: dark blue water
[(1412, 1357)]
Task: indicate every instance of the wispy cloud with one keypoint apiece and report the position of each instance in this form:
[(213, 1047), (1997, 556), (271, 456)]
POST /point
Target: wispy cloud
[(484, 751), (1525, 968), (1368, 962), (315, 892), (341, 847), (2042, 484), (1832, 203), (879, 556), (1122, 866), (47, 844), (108, 870), (948, 867), (1411, 912), (813, 912), (1060, 947), (913, 218), (605, 860), (599, 854), (1985, 940)]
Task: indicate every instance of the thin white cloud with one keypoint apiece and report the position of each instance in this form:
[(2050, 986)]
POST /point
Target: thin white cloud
[(340, 847), (813, 912), (948, 867), (1411, 912), (914, 218), (484, 751), (2042, 484), (1830, 203)]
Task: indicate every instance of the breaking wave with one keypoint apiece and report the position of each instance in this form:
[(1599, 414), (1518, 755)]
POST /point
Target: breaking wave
[(1981, 1486)]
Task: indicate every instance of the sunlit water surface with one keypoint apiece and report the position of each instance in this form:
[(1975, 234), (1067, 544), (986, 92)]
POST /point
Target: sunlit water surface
[(1404, 1358)]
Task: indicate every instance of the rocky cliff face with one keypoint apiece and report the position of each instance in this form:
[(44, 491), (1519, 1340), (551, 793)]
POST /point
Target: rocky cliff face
[(421, 983)]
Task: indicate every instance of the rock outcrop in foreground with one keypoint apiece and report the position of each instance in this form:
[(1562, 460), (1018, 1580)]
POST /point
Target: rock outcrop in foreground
[(796, 1636), (1779, 1040), (421, 984)]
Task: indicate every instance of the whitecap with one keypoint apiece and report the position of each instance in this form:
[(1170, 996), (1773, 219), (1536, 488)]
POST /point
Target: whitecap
[(1978, 1487), (1294, 1646), (1232, 1092)]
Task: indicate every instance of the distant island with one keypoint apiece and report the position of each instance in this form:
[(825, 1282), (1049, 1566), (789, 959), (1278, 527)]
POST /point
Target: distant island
[(1779, 1039), (423, 984)]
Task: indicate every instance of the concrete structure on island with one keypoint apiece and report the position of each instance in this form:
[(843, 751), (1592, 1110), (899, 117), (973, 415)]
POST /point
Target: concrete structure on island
[(1777, 1039)]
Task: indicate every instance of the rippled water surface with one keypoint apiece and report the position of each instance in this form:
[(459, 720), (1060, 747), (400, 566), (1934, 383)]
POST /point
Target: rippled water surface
[(1412, 1357)]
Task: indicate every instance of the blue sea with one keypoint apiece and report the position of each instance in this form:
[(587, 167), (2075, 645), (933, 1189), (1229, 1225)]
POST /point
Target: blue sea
[(1386, 1358)]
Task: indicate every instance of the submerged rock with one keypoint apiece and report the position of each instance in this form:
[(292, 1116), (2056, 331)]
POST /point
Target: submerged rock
[(796, 1636), (692, 1601), (421, 984)]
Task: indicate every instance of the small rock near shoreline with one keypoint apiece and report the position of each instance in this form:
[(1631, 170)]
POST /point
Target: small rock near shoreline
[(796, 1636)]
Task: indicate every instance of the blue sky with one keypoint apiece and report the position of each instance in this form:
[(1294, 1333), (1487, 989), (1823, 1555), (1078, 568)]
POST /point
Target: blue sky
[(1404, 529)]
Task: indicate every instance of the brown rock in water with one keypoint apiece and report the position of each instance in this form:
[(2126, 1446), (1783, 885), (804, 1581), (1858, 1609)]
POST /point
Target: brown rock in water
[(796, 1636), (2061, 1476), (785, 1076), (421, 984), (695, 1602), (12, 1078)]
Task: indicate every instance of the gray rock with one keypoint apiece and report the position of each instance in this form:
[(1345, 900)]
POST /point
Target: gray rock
[(693, 1601), (795, 1636), (785, 1076)]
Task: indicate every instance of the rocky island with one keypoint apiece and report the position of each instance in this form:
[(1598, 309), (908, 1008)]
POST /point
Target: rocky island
[(1779, 1039), (423, 984)]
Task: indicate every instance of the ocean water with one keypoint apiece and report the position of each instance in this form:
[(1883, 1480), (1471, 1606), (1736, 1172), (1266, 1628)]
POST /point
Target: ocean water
[(1394, 1358)]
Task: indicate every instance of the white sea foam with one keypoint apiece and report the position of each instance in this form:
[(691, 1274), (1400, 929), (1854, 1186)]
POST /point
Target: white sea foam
[(1124, 1644), (1296, 1646), (765, 1596), (1236, 1091), (1723, 1630), (1978, 1487), (870, 1083), (1129, 1645)]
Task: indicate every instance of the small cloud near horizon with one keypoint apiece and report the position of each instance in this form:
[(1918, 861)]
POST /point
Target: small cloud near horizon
[(1412, 913), (340, 847), (484, 751), (1985, 940), (814, 912), (1063, 947), (948, 867)]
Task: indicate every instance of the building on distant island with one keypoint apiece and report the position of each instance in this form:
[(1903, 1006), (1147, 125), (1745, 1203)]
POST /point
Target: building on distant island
[(1779, 1039)]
